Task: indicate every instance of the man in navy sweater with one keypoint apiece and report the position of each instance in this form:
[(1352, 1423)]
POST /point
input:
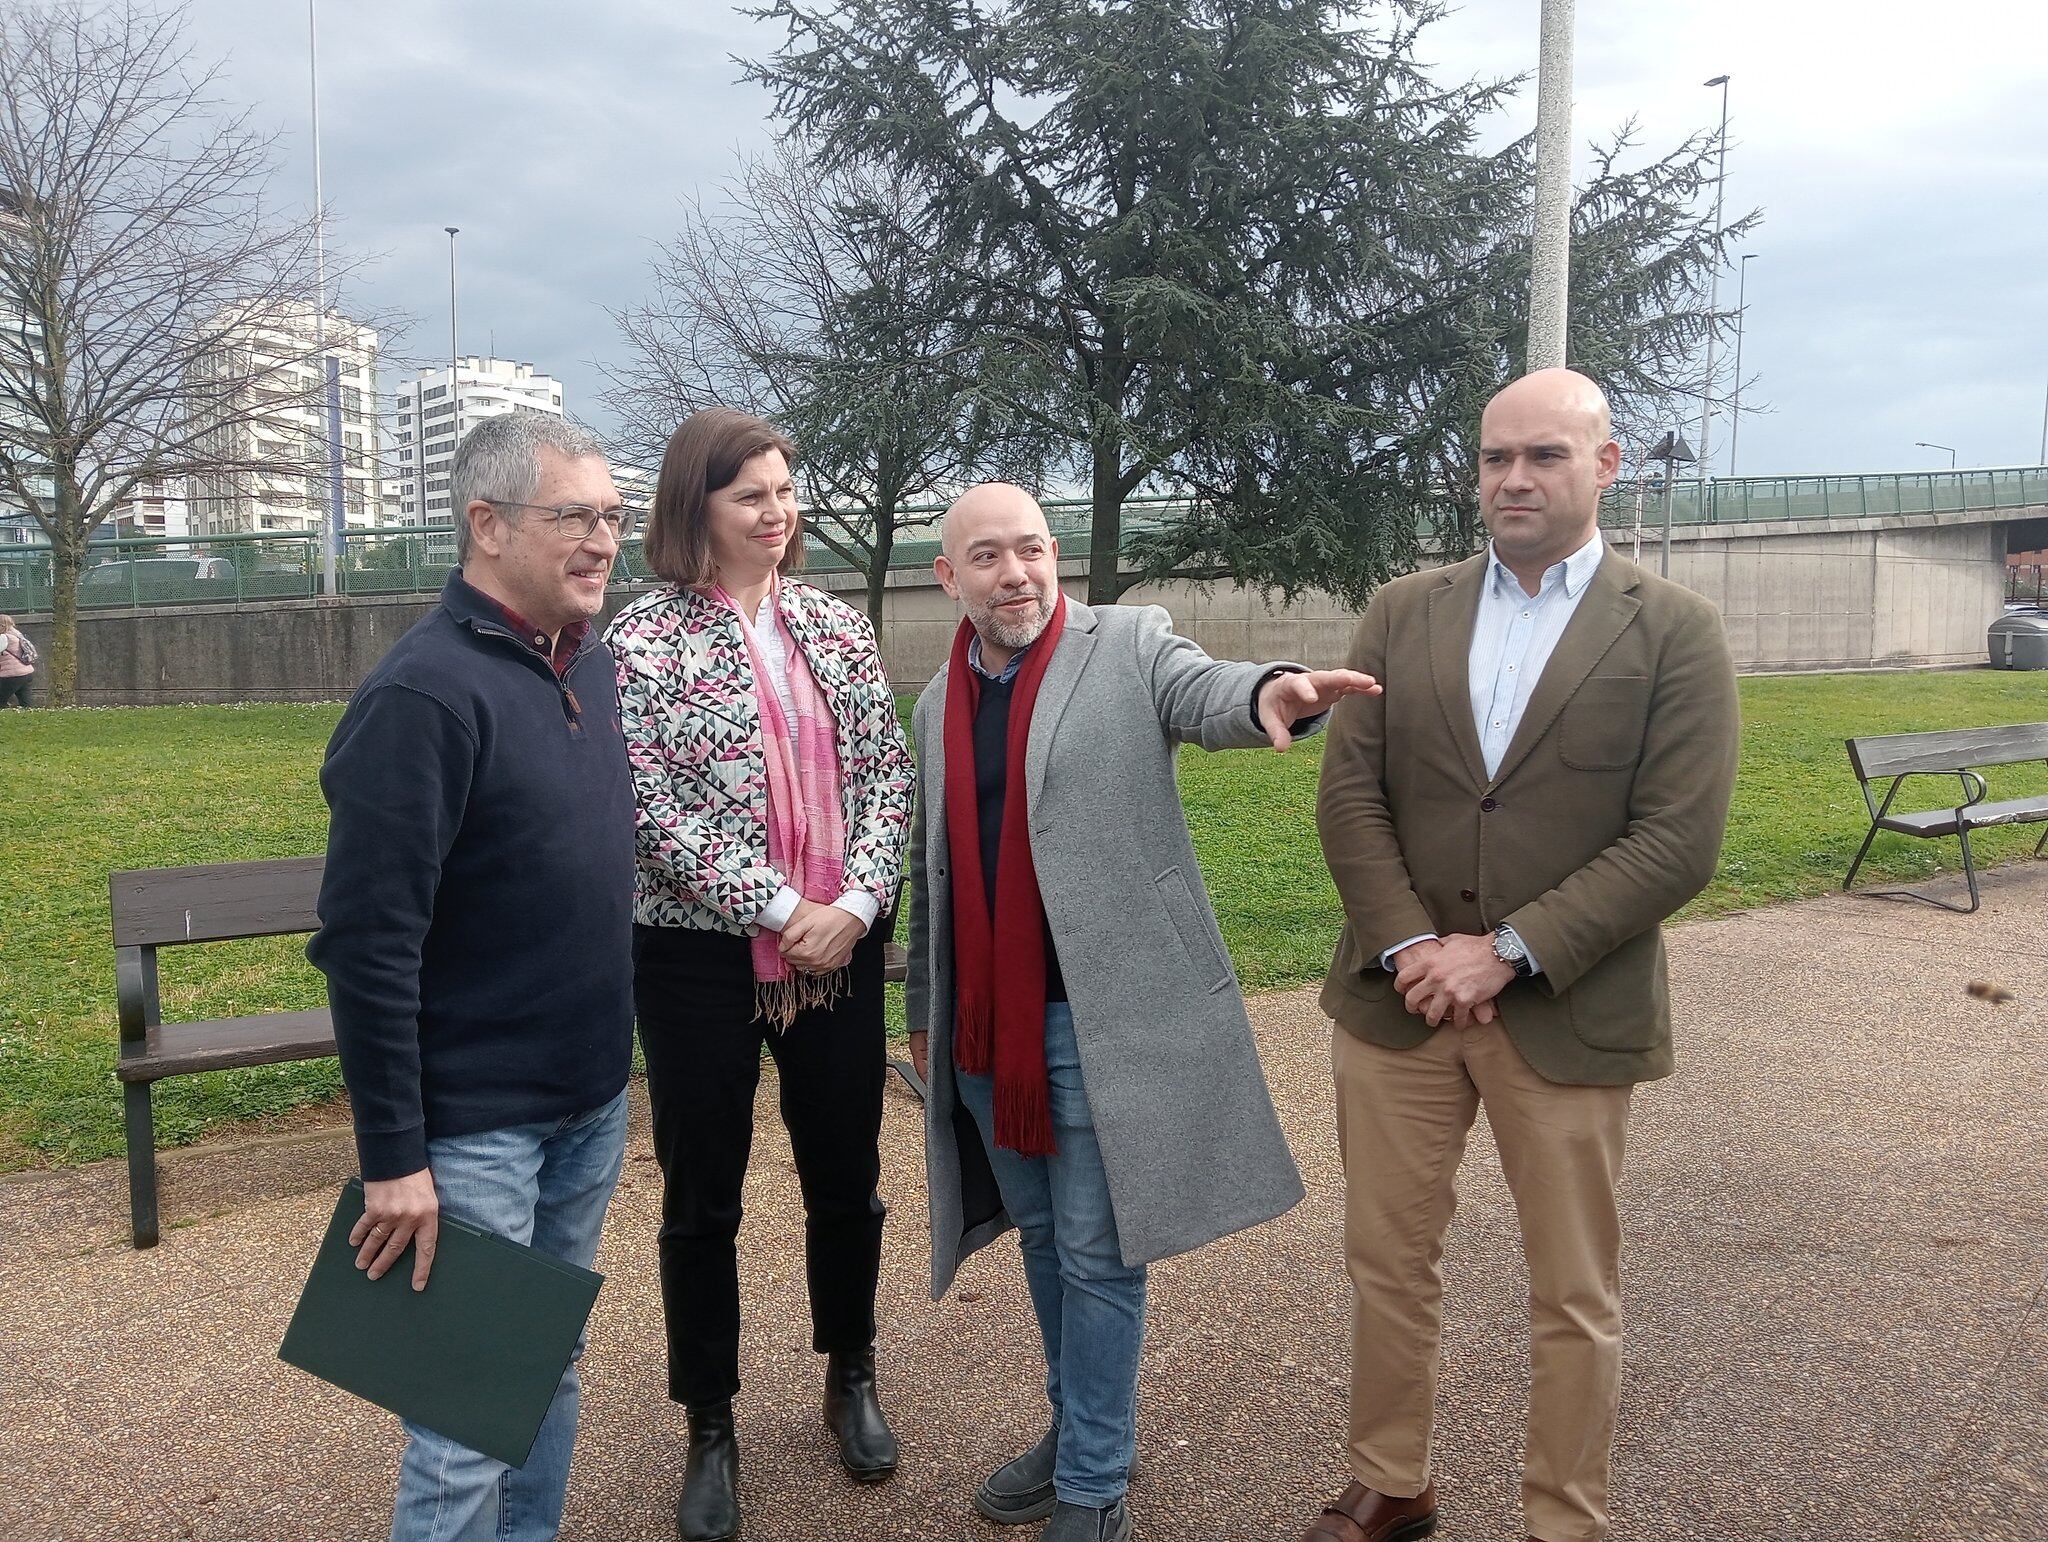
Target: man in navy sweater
[(476, 920)]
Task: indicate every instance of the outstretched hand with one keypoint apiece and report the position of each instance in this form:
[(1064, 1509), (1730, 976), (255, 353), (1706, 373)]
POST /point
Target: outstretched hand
[(1287, 699)]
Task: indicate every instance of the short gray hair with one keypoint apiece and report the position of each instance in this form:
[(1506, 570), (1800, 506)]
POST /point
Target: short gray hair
[(498, 461)]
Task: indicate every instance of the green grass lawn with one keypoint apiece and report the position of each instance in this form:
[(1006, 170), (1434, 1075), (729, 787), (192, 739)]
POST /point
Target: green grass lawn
[(88, 792)]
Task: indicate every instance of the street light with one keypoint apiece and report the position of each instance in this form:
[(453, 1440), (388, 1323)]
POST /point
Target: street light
[(330, 368), (454, 377), (453, 232), (1741, 310), (1923, 444), (1714, 280), (1673, 451)]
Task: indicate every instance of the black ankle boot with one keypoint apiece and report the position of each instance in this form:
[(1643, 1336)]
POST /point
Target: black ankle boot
[(709, 1510), (867, 1447)]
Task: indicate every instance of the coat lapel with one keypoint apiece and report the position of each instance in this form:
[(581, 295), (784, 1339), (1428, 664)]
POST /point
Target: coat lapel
[(1453, 612), (1604, 613), (1062, 675)]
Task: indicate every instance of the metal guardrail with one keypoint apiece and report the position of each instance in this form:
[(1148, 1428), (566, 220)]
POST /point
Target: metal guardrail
[(1861, 495), (285, 565), (135, 571)]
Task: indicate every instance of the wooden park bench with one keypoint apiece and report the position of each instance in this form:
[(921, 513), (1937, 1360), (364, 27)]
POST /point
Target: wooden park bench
[(1961, 753), (172, 906)]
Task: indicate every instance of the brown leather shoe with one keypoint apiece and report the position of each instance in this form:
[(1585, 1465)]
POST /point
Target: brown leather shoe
[(1359, 1514)]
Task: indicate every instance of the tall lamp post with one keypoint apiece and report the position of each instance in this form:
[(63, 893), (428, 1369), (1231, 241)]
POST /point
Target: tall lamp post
[(331, 516), (453, 232), (1550, 234), (1741, 311), (1714, 283), (454, 379), (1926, 444)]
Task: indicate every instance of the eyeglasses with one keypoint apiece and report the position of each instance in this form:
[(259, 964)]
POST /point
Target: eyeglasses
[(577, 520)]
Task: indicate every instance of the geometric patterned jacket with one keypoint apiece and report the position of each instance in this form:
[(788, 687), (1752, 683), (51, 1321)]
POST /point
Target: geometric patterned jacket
[(693, 739)]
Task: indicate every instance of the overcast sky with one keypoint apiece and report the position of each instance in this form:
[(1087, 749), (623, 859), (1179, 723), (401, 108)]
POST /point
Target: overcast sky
[(1899, 153)]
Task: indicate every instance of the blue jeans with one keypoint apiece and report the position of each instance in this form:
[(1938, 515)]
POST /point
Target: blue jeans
[(1090, 1304), (545, 1185)]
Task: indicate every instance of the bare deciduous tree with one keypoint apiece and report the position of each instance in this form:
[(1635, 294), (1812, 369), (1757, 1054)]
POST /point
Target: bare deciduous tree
[(156, 305), (813, 300)]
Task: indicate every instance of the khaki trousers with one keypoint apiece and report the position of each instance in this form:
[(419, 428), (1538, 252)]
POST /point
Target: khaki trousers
[(1402, 1120)]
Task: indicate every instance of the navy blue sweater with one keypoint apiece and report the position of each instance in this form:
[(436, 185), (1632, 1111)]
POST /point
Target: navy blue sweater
[(476, 917)]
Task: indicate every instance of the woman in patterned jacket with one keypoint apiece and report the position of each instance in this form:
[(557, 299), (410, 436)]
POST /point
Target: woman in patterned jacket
[(774, 787)]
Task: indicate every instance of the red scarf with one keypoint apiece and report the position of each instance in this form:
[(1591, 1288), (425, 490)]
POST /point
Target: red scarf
[(999, 961)]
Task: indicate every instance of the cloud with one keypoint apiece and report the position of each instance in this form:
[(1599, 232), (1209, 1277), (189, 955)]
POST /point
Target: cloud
[(1896, 152)]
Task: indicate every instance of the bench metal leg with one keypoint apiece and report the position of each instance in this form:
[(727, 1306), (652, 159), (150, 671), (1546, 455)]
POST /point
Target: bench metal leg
[(141, 1163), (1861, 853), (2043, 841), (1969, 874)]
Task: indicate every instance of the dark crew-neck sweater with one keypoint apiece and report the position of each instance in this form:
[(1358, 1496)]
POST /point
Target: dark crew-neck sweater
[(991, 785), (476, 912)]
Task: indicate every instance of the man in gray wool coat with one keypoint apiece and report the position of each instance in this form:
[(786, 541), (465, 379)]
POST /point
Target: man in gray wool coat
[(1093, 1079)]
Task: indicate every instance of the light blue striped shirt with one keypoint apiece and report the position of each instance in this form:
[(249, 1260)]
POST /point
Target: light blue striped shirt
[(1513, 638)]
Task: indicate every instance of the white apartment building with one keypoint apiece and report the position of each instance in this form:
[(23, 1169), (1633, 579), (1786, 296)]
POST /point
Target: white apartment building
[(435, 411), (283, 450), (635, 485), (155, 509), (21, 338)]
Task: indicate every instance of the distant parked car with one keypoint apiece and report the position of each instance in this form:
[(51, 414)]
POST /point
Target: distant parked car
[(158, 578)]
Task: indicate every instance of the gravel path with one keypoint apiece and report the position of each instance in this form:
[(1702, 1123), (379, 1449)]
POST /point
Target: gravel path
[(1837, 1219)]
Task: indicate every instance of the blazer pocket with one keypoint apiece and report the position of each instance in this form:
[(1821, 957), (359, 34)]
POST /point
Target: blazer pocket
[(1622, 1003), (1198, 939), (1602, 725)]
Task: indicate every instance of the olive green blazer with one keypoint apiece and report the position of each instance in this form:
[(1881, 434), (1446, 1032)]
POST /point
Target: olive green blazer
[(1606, 814)]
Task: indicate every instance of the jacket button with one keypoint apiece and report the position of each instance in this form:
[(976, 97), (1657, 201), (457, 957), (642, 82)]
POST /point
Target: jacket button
[(1468, 895), (1488, 805)]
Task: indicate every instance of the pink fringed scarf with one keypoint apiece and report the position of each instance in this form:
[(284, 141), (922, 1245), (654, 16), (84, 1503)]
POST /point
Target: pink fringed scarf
[(806, 819)]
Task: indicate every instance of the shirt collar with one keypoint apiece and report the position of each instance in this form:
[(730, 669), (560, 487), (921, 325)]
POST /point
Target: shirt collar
[(1579, 567), (566, 641), (1009, 670)]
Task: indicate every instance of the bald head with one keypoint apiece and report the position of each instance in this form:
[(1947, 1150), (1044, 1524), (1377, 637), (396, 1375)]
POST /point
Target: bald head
[(1000, 562), (1546, 449), (1560, 397), (989, 505)]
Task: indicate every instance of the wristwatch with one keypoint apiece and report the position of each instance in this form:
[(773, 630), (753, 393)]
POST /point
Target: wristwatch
[(1508, 948)]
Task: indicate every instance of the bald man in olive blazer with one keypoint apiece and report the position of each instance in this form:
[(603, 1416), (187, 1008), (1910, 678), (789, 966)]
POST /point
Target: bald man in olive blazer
[(1545, 780)]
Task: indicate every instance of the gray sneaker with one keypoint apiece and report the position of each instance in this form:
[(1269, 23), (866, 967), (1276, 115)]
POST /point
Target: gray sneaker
[(1078, 1523)]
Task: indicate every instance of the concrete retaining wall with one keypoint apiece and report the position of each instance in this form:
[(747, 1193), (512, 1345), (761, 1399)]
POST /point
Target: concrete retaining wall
[(1902, 592)]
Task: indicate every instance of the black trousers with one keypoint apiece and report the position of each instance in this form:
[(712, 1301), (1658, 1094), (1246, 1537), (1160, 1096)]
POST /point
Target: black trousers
[(693, 992), (15, 687)]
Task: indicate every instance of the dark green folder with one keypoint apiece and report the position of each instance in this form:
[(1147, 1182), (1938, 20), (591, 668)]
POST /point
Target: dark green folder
[(476, 1356)]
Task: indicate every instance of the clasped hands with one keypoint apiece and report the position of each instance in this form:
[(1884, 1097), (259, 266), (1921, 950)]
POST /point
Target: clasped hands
[(819, 938), (1452, 979)]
